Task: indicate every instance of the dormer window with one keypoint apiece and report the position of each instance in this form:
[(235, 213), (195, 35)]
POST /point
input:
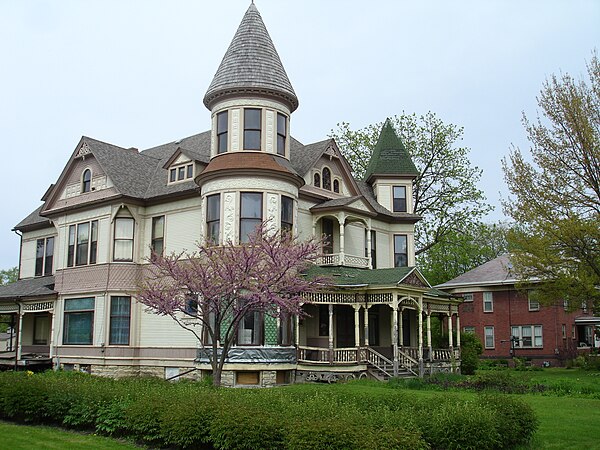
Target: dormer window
[(181, 172), (252, 129), (222, 124), (86, 181)]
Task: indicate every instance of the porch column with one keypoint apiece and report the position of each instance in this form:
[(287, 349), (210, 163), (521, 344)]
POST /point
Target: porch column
[(297, 334), (366, 325), (395, 333), (330, 333), (457, 330), (356, 325), (314, 228), (51, 342), (450, 337), (19, 337), (400, 327), (429, 335), (342, 222), (420, 314)]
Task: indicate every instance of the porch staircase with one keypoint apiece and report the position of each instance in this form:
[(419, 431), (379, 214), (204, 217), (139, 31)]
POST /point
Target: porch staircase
[(381, 368)]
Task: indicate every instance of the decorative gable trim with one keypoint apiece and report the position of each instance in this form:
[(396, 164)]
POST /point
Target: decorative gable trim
[(83, 150), (416, 279)]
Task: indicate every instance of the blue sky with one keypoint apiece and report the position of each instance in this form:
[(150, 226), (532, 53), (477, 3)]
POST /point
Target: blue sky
[(133, 73)]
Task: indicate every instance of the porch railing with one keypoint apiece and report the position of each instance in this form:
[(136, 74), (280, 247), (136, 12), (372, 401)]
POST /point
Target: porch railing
[(339, 259), (320, 355), (408, 362), (437, 354)]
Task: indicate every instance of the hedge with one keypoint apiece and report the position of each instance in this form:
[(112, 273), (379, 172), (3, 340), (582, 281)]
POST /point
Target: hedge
[(190, 415)]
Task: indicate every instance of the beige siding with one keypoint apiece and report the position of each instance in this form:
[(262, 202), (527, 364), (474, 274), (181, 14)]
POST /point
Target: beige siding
[(183, 230), (161, 331), (28, 250)]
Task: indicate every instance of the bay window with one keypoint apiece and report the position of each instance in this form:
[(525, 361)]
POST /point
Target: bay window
[(123, 242), (250, 329), (82, 244)]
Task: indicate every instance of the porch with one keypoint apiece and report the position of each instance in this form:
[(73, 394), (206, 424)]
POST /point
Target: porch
[(387, 339)]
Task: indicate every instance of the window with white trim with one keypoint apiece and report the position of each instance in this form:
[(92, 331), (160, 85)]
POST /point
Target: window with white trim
[(123, 241), (527, 336), (44, 255), (213, 218), (158, 235), (399, 198), (251, 214), (222, 128), (252, 128), (287, 214), (488, 302), (120, 315), (82, 246), (533, 304), (469, 329), (468, 297), (489, 337), (564, 330), (78, 321), (281, 133), (181, 172), (400, 250)]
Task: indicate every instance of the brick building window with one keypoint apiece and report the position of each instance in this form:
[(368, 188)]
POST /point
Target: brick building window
[(533, 304), (488, 302), (489, 337), (527, 336), (468, 297)]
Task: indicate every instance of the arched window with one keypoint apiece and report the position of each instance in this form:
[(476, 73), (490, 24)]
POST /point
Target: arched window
[(317, 180), (336, 186), (326, 179), (86, 180)]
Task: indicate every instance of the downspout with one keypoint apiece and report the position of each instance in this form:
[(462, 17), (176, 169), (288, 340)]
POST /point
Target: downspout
[(20, 252), (17, 343)]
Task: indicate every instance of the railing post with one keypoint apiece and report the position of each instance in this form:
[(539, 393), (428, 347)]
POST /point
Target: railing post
[(366, 325), (356, 325)]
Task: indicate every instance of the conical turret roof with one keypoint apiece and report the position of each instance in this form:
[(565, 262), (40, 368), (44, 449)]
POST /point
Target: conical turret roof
[(390, 156), (251, 65)]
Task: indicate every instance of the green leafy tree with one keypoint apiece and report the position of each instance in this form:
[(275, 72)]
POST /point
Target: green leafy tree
[(556, 193), (461, 251), (445, 192), (8, 276)]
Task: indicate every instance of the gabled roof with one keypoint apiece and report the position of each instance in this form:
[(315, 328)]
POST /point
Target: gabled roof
[(390, 156), (304, 157), (251, 65), (29, 287), (498, 271)]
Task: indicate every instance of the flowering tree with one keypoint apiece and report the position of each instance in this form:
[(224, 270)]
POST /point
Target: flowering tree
[(217, 286)]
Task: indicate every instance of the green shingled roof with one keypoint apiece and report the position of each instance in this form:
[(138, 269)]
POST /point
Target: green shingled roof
[(390, 157), (351, 276)]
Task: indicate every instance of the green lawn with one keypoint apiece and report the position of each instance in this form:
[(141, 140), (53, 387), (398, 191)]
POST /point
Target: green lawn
[(17, 437), (565, 422)]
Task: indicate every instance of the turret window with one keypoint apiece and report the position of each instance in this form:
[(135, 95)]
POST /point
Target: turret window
[(399, 193), (281, 133), (213, 216), (86, 181), (287, 213), (252, 129), (250, 214), (222, 123), (400, 250)]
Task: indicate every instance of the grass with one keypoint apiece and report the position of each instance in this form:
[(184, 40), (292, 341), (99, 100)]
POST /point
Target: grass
[(26, 437)]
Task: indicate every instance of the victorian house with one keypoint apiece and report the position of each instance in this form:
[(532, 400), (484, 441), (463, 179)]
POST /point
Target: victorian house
[(83, 251)]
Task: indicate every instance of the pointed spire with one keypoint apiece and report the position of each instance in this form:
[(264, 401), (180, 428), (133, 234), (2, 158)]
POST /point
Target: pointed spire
[(251, 65), (390, 156)]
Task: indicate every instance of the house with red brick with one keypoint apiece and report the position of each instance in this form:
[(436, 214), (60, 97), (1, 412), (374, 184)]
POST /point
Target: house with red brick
[(510, 323)]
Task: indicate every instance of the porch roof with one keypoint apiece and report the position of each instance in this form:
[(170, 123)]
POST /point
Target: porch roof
[(28, 287), (351, 276)]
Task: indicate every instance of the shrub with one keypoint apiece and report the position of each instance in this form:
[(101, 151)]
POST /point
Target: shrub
[(470, 350), (515, 421)]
